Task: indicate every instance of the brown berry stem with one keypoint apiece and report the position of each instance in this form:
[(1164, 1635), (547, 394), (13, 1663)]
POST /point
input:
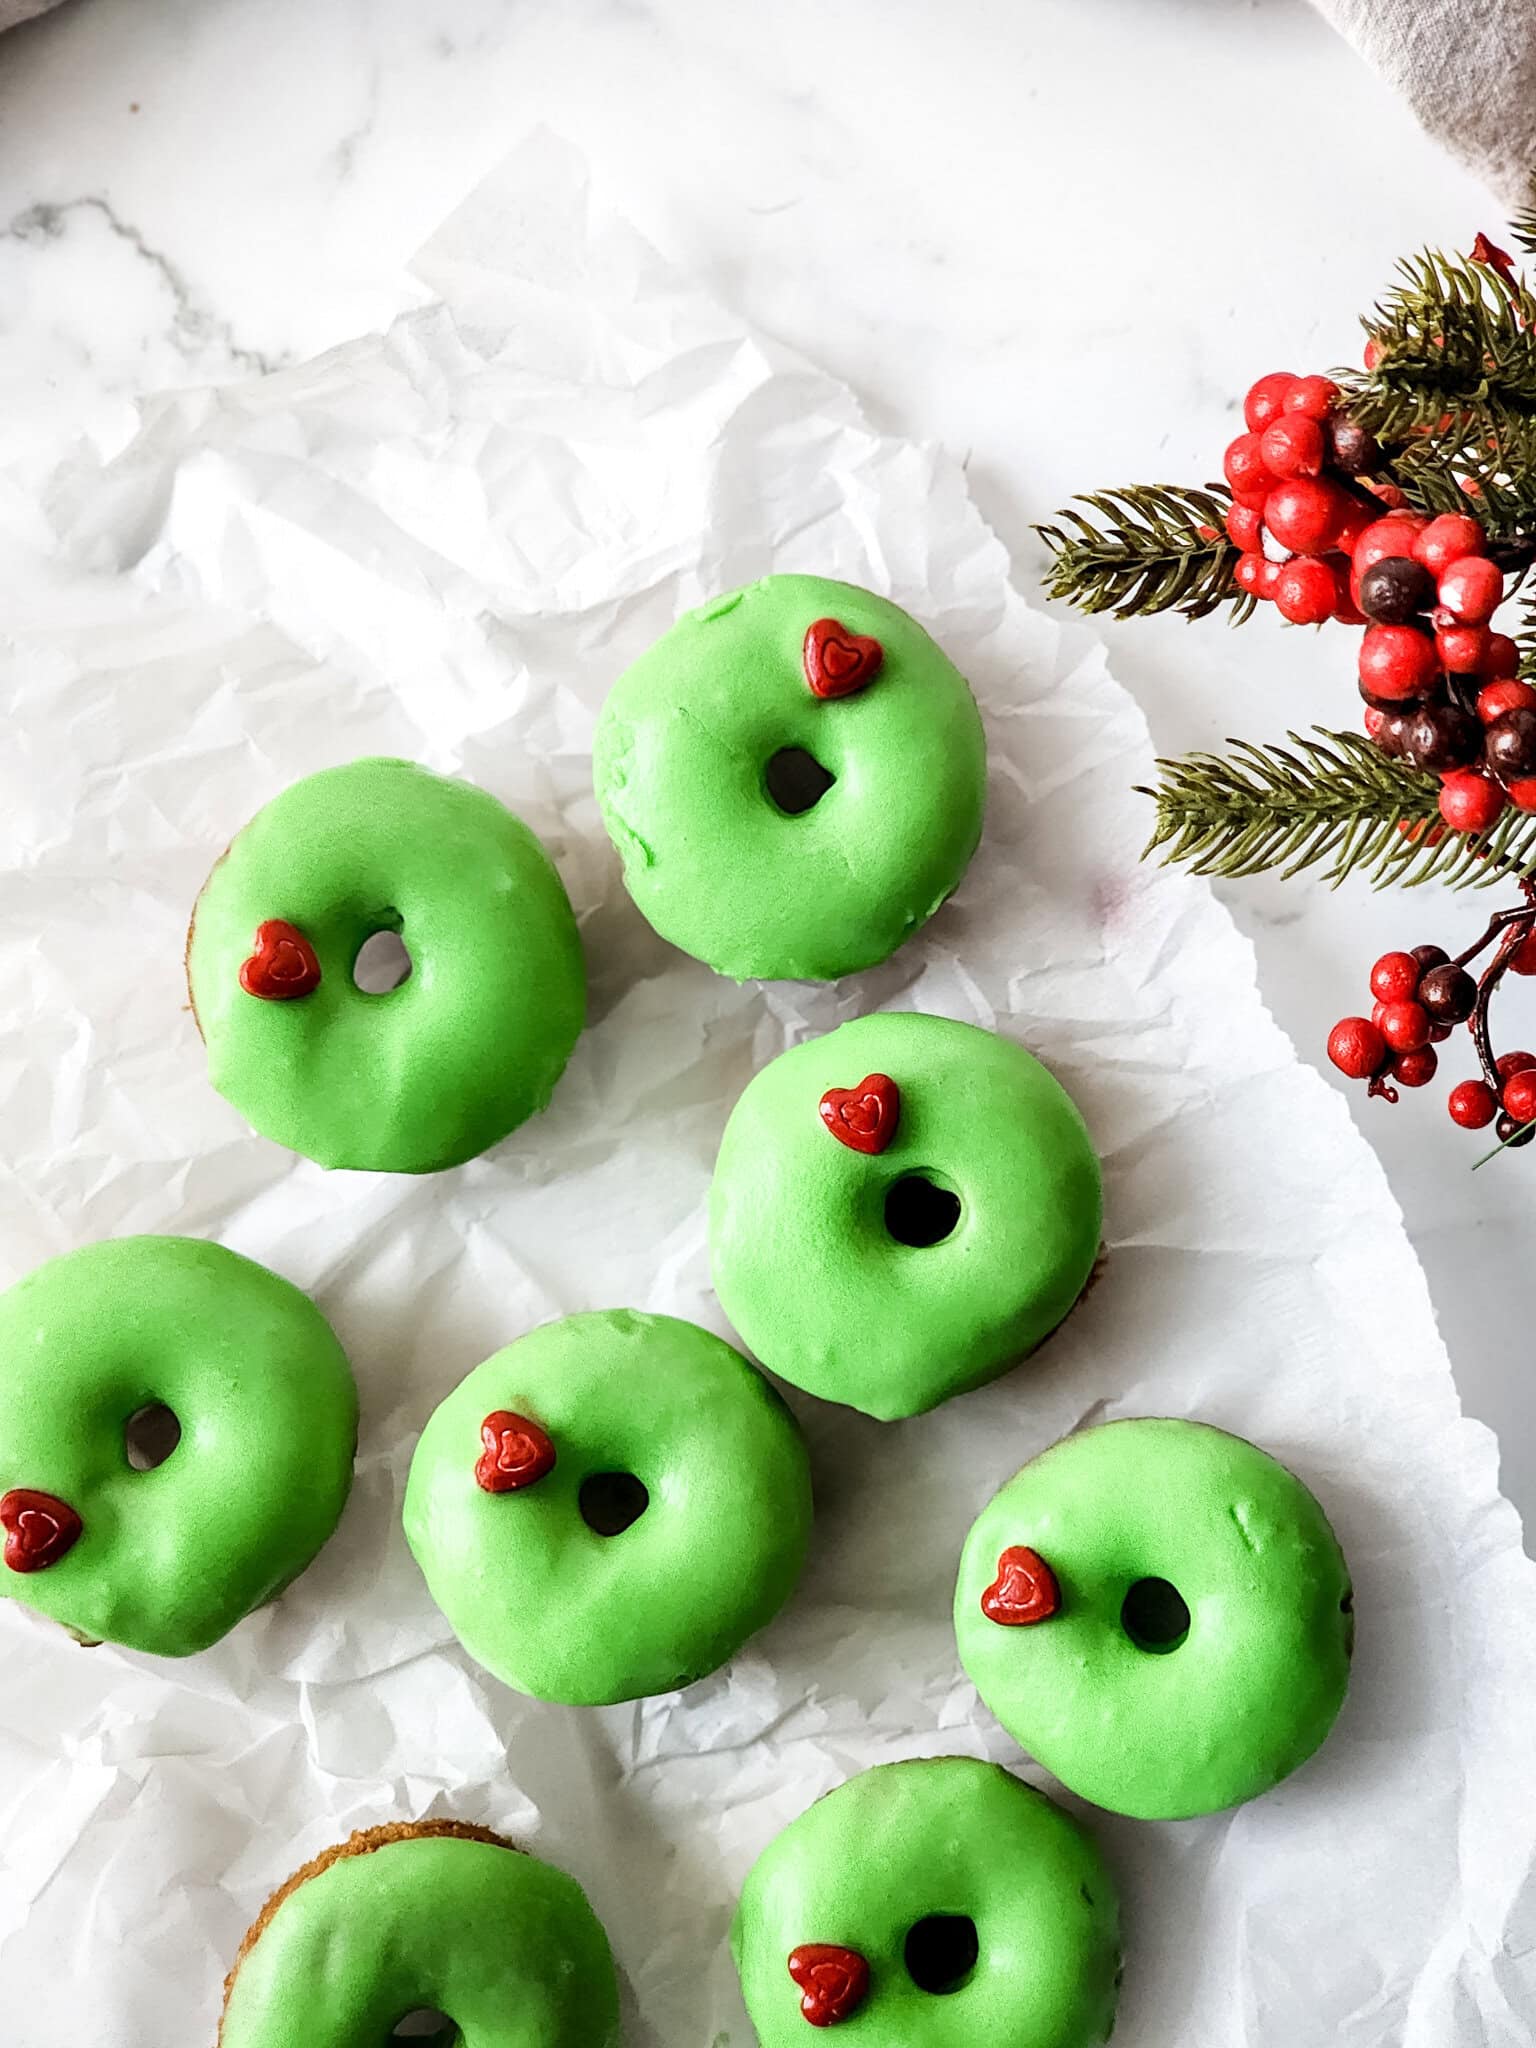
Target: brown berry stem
[(1514, 927), (1496, 924)]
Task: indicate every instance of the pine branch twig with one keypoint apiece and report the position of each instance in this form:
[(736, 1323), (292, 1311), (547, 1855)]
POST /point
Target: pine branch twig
[(1522, 227), (1454, 334), (1451, 390), (1484, 468), (1333, 802), (1150, 548)]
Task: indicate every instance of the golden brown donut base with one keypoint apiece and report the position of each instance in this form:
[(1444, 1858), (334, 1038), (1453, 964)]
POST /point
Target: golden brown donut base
[(359, 1844)]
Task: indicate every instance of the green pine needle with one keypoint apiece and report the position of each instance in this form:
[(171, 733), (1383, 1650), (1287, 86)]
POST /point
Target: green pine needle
[(1453, 394), (1522, 228), (1504, 1145), (1453, 336), (1146, 552), (1525, 637), (1334, 801)]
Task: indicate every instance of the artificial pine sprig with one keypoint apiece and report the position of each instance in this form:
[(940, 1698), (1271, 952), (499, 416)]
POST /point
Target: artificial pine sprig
[(1522, 228), (1332, 801), (1454, 348), (1151, 548), (1451, 390)]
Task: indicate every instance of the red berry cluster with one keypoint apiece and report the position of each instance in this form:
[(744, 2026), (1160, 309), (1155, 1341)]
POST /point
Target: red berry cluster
[(1439, 684), (1294, 477), (1324, 542), (1420, 998)]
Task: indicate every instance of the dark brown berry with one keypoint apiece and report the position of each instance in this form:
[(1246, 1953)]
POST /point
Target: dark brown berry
[(1429, 956), (1353, 449), (1416, 1069), (1386, 703), (1441, 737), (1508, 1132), (1395, 591), (1392, 732), (1511, 744), (1448, 993)]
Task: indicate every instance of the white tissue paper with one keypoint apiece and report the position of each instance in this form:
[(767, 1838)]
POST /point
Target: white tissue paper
[(444, 542)]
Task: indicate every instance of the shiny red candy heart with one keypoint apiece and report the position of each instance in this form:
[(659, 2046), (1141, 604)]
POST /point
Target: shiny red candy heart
[(863, 1118), (517, 1453), (39, 1529), (834, 1981), (1024, 1591), (838, 662), (283, 965)]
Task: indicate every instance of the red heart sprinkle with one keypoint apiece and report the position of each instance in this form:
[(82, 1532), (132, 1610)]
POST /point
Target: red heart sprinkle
[(838, 662), (835, 1981), (1024, 1591), (283, 965), (863, 1118), (39, 1529), (517, 1453)]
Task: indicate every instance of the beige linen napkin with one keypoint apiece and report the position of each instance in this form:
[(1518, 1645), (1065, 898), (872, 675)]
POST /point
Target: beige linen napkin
[(1468, 70), (13, 11)]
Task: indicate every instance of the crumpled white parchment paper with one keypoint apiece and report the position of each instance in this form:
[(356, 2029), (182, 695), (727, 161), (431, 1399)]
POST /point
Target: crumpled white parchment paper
[(444, 542)]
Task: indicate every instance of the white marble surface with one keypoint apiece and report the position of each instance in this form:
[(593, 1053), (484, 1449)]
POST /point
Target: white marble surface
[(1061, 235)]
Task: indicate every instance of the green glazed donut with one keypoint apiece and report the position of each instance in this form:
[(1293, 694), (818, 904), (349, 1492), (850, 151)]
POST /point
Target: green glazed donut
[(169, 1559), (432, 1917), (609, 1507), (901, 1210), (938, 1904), (463, 1050), (738, 848), (1160, 1614)]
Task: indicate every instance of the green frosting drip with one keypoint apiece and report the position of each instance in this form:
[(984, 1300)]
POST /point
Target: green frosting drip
[(1253, 1688), (804, 1261), (502, 1944), (909, 1840), (467, 1047), (555, 1609), (680, 759), (169, 1560)]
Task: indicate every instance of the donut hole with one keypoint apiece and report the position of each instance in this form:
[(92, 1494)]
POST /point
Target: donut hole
[(941, 1952), (920, 1210), (611, 1502), (796, 781), (1155, 1616), (383, 959), (427, 2027), (150, 1435)]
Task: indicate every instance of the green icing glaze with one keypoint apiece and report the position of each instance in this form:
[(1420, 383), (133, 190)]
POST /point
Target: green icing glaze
[(1251, 1690), (680, 760), (467, 1047), (169, 1560), (542, 1600), (502, 1944), (907, 1841), (805, 1264)]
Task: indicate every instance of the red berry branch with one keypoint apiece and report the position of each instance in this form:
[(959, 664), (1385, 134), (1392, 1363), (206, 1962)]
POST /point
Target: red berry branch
[(1441, 692), (1420, 998), (1400, 500)]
